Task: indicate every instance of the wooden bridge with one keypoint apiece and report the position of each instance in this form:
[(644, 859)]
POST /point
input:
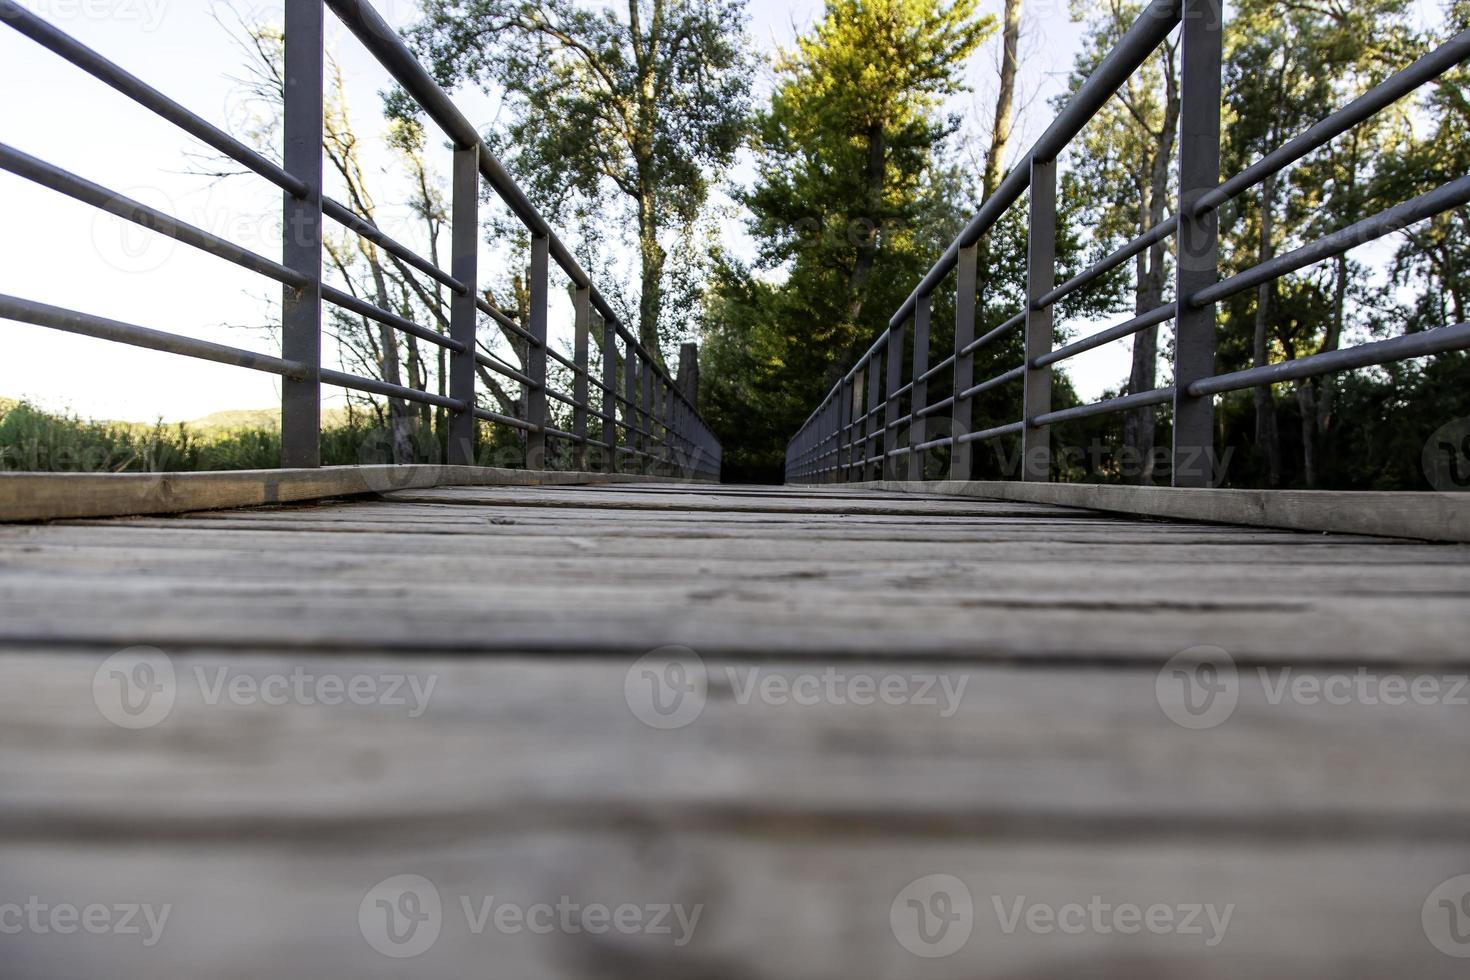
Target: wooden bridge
[(597, 715), (881, 688)]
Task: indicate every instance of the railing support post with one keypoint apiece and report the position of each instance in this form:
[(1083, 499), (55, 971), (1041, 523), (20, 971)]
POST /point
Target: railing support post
[(1041, 276), (646, 419), (671, 430), (919, 394), (874, 378), (301, 230), (890, 468), (582, 322), (966, 275), (852, 397), (631, 439), (609, 396), (464, 248), (1199, 250), (536, 354)]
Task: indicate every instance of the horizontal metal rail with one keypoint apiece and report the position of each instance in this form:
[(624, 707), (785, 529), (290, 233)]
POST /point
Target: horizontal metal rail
[(836, 442), (73, 321), (1423, 344), (356, 222), (1126, 329), (673, 438)]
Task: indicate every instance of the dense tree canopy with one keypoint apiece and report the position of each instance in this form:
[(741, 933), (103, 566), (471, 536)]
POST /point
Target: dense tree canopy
[(854, 195), (645, 104)]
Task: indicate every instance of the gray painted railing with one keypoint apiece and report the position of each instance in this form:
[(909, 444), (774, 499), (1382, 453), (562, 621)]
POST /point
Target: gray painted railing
[(854, 434), (659, 430)]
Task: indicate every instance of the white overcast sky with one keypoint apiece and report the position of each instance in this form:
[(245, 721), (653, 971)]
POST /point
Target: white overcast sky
[(61, 252)]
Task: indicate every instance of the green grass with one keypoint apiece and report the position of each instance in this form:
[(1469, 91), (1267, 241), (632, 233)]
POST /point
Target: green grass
[(36, 441)]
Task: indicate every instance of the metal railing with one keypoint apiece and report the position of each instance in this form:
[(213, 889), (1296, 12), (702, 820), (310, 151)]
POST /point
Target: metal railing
[(648, 425), (854, 433)]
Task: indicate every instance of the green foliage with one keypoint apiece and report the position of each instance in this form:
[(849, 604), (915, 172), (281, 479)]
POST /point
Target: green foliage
[(852, 200), (32, 440), (646, 105)]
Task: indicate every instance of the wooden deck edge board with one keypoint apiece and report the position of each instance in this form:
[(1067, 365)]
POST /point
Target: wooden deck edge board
[(1400, 514), (56, 496)]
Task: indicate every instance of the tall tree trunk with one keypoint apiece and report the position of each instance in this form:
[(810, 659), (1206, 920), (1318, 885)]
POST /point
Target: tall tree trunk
[(653, 256), (1306, 399), (1333, 341), (1000, 131), (400, 422), (1324, 391), (1268, 439), (867, 249), (1139, 425)]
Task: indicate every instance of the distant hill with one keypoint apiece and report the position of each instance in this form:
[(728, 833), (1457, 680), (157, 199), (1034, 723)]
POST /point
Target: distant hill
[(230, 420), (242, 418), (258, 418)]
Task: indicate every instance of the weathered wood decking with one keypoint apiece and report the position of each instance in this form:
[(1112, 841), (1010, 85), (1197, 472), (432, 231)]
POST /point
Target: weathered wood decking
[(1039, 767)]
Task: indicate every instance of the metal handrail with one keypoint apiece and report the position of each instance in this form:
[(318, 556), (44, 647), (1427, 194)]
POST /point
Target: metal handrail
[(672, 440), (831, 446)]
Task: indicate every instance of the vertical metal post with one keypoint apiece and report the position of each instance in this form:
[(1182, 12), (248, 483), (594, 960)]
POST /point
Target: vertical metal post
[(1041, 276), (964, 364), (645, 404), (536, 354), (890, 468), (919, 396), (871, 439), (301, 232), (671, 429), (581, 323), (1199, 250), (631, 441), (464, 248), (852, 395), (609, 398)]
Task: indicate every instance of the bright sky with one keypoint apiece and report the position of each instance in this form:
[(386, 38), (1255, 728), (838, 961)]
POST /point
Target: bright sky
[(61, 252)]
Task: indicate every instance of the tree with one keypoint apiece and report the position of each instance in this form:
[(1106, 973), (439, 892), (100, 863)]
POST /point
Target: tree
[(416, 431), (648, 108), (1124, 162), (853, 198), (1005, 99), (1286, 69)]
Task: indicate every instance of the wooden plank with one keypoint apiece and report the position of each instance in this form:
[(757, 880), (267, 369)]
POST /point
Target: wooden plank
[(1427, 516), (266, 827), (49, 496)]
